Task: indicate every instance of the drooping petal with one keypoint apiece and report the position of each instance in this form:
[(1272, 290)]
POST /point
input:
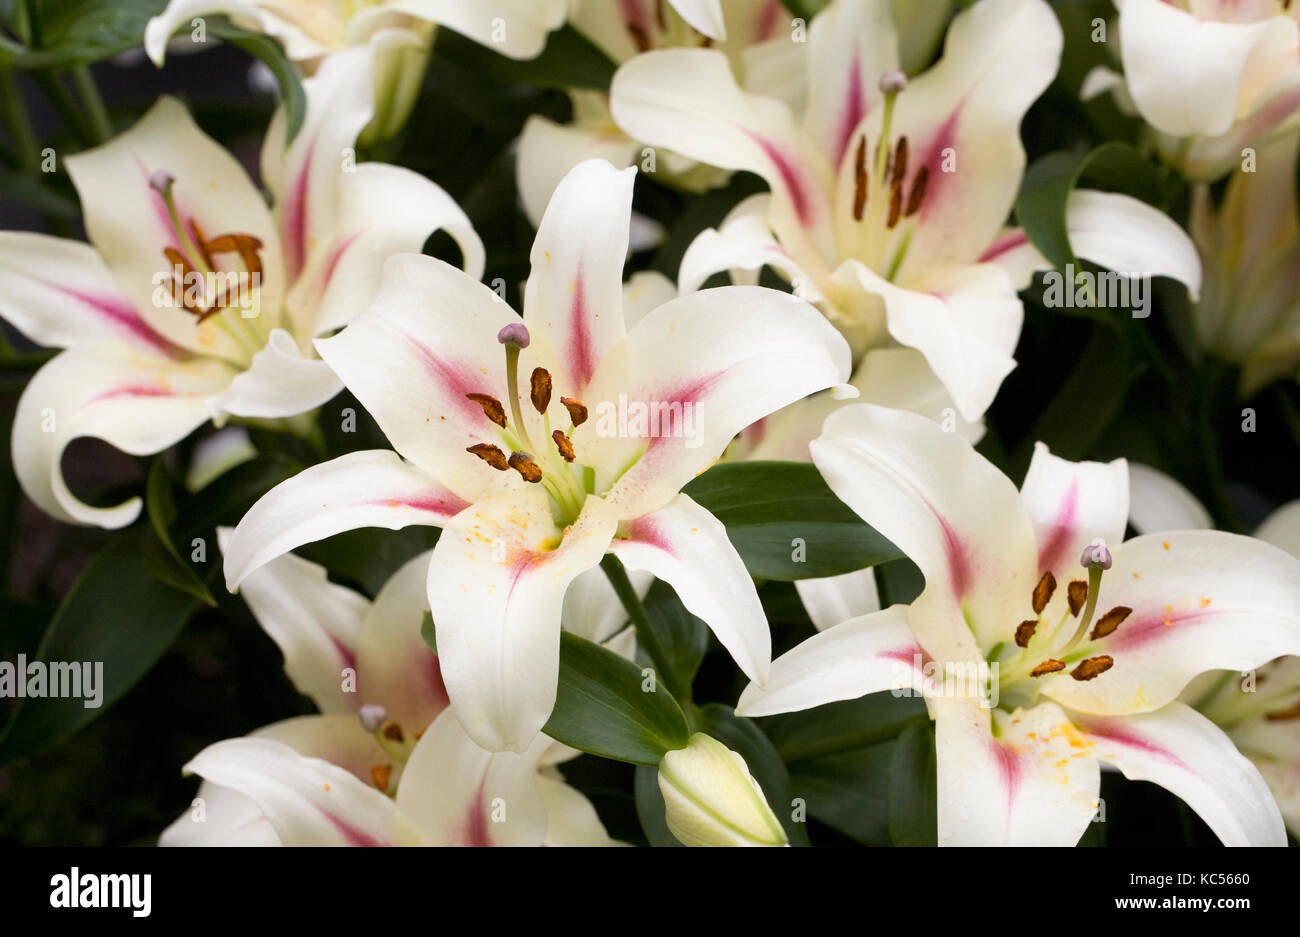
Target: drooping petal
[(867, 654), (132, 398), (1201, 600), (279, 382), (704, 16), (458, 794), (1072, 504), (962, 120), (58, 293), (574, 293), (965, 320), (496, 590), (1271, 747), (382, 211), (1282, 528), (313, 621), (299, 43), (687, 547), (948, 509), (688, 101), (395, 667), (1190, 75), (698, 370), (547, 151), (850, 45), (308, 801), (1116, 232), (644, 292), (1159, 502), (836, 599), (129, 224), (360, 489), (220, 816), (435, 328), (1033, 784), (1182, 751)]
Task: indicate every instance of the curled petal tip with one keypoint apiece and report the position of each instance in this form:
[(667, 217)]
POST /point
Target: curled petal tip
[(844, 392)]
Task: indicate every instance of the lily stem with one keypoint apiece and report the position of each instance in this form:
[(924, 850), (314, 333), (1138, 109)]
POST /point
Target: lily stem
[(11, 101), (58, 95), (100, 124), (646, 636)]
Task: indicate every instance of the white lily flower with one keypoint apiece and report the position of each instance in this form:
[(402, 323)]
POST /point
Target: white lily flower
[(888, 200), (386, 763), (1260, 711), (194, 301), (711, 799), (1210, 76), (1039, 671), (535, 487), (1249, 311), (548, 150)]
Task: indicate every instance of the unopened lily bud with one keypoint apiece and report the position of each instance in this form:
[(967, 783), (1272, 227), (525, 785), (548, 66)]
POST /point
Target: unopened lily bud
[(1095, 554), (712, 800)]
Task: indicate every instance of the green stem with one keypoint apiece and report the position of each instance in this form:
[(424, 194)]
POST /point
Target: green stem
[(58, 95), (1212, 377), (646, 636), (100, 123), (29, 153)]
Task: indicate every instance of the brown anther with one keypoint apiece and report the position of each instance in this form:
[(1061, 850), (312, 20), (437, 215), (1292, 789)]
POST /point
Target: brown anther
[(1109, 622), (1093, 667), (895, 207), (916, 197), (491, 455), (391, 730), (381, 775), (1281, 715), (245, 245), (201, 242), (900, 162), (1043, 592), (1025, 632), (577, 412), (540, 392), (860, 179), (661, 15), (639, 37), (492, 408), (1046, 667), (523, 463), (564, 444), (1076, 593)]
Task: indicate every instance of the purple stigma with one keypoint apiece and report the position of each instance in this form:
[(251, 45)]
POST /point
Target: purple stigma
[(1095, 555), (516, 333)]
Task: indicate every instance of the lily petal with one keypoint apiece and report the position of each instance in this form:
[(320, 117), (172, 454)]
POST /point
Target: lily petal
[(1201, 600), (574, 293), (592, 609), (395, 667), (709, 364), (1182, 751), (945, 506), (742, 245), (496, 590), (134, 399), (458, 794), (1071, 504), (687, 547), (863, 655), (517, 29), (280, 382), (1031, 785), (298, 44), (547, 151), (571, 820), (1159, 502), (834, 599), (313, 621), (361, 489)]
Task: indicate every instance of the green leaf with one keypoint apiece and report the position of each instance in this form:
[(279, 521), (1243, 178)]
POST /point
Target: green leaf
[(913, 788), (786, 523), (745, 738), (569, 60), (116, 615), (839, 758), (601, 709), (1046, 189), (368, 557), (66, 33), (166, 564), (270, 53), (428, 632), (684, 638)]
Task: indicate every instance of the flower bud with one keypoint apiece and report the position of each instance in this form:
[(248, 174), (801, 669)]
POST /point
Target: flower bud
[(712, 800)]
